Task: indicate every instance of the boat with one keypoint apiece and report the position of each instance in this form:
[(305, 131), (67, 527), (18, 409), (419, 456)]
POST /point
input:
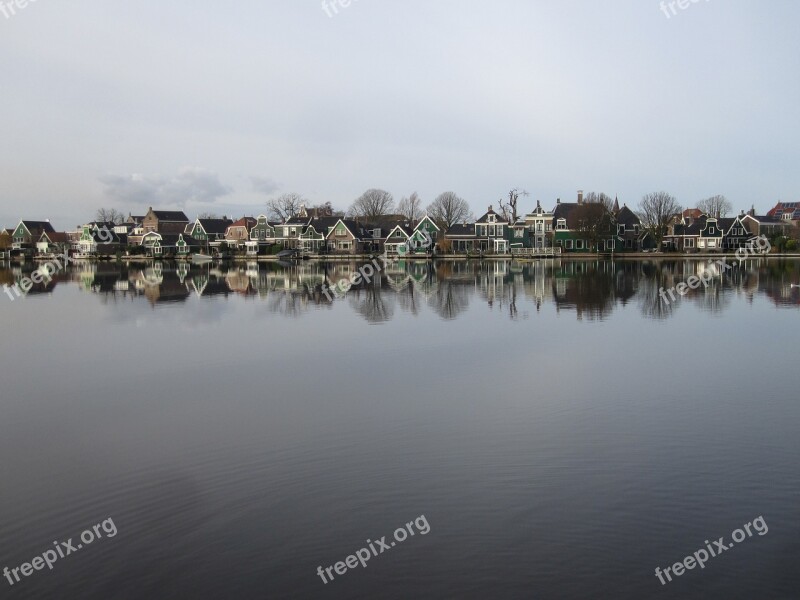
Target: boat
[(201, 258)]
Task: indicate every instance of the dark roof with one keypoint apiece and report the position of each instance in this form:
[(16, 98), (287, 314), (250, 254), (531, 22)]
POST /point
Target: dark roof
[(219, 226), (297, 220), (574, 212), (171, 215), (627, 217), (321, 224), (57, 237), (766, 219), (485, 218), (725, 223), (40, 225), (461, 230)]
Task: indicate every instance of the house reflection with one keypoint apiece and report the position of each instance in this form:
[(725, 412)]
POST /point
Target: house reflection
[(590, 289)]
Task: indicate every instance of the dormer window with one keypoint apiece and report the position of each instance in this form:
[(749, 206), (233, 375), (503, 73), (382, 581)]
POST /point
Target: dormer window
[(491, 218)]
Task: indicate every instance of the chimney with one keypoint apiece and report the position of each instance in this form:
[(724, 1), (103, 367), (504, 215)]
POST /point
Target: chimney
[(580, 196), (558, 200)]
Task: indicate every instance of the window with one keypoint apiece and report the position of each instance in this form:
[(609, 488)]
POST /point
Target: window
[(499, 231), (579, 245), (549, 227), (562, 224), (491, 231), (710, 231), (689, 243), (568, 245), (539, 226), (621, 229), (518, 233)]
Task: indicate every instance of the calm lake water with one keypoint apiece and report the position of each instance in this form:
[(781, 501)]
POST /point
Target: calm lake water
[(562, 430)]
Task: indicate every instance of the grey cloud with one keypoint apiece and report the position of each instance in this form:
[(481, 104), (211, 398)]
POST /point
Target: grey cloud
[(189, 185), (264, 185)]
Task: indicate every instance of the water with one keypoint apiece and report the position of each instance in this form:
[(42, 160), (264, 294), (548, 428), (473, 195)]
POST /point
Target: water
[(562, 430)]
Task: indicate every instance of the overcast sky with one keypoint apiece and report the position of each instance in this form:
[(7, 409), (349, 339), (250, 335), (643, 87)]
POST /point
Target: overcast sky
[(216, 106)]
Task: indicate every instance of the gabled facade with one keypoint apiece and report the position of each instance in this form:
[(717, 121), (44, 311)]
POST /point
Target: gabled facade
[(348, 237), (632, 237), (208, 231), (262, 235), (396, 241), (27, 233), (539, 224), (50, 243), (684, 238), (710, 239), (734, 233), (492, 233), (238, 232)]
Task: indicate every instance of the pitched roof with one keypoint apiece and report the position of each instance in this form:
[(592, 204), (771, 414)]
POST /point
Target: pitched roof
[(246, 222), (57, 237), (782, 208), (177, 216), (485, 218), (40, 225), (627, 217), (219, 226), (461, 230)]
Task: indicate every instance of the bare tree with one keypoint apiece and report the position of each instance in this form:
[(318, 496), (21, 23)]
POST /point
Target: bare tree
[(449, 209), (109, 215), (716, 206), (285, 206), (411, 207), (656, 211), (208, 215), (599, 198), (372, 205), (594, 222), (509, 209)]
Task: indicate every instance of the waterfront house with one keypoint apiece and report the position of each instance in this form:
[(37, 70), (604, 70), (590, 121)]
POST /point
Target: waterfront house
[(27, 234), (209, 233), (100, 238), (348, 237), (238, 232), (766, 225), (312, 239), (492, 233), (710, 238), (396, 241), (461, 238), (734, 233), (584, 227), (631, 235), (788, 212), (164, 221), (683, 237), (262, 236), (53, 242), (539, 225)]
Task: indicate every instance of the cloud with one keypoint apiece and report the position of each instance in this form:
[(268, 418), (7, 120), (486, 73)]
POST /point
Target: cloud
[(264, 185), (190, 185)]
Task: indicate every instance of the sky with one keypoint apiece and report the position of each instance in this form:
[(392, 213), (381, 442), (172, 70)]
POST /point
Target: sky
[(219, 106)]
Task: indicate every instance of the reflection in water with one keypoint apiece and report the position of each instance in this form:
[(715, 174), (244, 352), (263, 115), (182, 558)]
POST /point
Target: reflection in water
[(590, 289)]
